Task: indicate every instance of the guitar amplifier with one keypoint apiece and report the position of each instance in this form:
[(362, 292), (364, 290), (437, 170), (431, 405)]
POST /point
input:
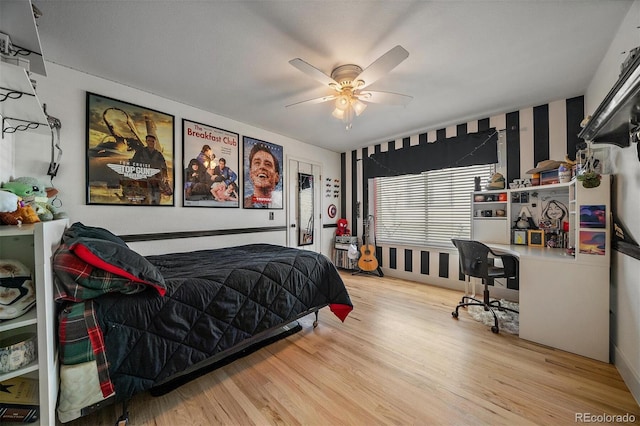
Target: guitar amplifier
[(346, 239)]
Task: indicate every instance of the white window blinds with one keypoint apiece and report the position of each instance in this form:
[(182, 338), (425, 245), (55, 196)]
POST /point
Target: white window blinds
[(426, 209)]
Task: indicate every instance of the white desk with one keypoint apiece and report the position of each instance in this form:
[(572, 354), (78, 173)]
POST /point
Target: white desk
[(564, 303), (528, 251)]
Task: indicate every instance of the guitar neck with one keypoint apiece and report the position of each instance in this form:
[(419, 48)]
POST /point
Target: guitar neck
[(365, 237)]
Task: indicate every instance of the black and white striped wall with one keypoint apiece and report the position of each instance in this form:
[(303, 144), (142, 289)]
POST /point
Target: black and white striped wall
[(531, 135)]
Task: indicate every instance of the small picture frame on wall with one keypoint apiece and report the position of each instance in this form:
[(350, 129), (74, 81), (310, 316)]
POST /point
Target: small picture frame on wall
[(519, 237), (535, 237), (593, 242)]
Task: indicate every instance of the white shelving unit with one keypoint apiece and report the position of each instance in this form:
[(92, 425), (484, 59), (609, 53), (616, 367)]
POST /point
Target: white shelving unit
[(20, 108), (491, 227), (497, 230), (564, 299), (18, 21), (341, 254), (31, 245)]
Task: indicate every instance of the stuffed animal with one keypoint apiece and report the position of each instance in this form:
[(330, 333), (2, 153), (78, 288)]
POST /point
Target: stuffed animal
[(23, 214), (22, 190), (13, 210), (36, 195), (342, 228), (8, 201), (33, 187), (496, 182), (43, 212)]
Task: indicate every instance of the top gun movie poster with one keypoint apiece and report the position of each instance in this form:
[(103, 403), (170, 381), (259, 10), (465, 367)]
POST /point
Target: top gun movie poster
[(130, 154)]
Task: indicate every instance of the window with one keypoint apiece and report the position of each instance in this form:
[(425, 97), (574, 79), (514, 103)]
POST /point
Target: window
[(426, 209)]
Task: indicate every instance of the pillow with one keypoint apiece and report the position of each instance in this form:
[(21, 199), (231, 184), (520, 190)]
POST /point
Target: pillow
[(78, 230), (76, 280), (119, 260)]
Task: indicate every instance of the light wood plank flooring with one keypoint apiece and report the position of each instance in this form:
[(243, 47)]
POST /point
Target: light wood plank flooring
[(399, 359)]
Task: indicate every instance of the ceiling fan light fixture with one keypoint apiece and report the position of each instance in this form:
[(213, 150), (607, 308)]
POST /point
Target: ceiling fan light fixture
[(348, 117), (358, 106), (343, 101), (348, 81)]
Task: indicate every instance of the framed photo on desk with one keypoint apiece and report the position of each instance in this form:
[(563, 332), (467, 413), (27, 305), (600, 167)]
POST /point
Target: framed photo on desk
[(535, 237), (519, 237)]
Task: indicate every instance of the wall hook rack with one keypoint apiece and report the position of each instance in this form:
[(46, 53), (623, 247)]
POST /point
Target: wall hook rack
[(30, 125)]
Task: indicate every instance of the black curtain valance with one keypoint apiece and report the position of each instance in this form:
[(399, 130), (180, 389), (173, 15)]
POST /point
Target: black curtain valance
[(465, 150)]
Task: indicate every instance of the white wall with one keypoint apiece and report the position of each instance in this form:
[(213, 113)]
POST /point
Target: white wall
[(625, 270), (64, 93), (6, 157)]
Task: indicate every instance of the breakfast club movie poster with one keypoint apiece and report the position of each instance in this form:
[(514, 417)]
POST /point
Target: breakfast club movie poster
[(129, 154), (211, 161)]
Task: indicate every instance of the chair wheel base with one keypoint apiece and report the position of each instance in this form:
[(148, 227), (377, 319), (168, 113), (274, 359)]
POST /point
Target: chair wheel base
[(495, 329), (454, 314)]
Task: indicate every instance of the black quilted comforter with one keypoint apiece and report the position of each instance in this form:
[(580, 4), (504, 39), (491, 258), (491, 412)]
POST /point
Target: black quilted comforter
[(214, 300)]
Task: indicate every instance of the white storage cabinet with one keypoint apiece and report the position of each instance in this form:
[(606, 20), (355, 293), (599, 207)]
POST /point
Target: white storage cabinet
[(33, 245)]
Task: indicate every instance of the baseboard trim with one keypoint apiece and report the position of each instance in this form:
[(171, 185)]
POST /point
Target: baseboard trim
[(629, 375), (497, 292)]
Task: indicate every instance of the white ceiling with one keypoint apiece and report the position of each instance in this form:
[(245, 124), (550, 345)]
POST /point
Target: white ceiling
[(467, 59)]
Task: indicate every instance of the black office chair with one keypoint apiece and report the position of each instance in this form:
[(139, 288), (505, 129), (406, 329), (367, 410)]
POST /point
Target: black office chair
[(476, 260)]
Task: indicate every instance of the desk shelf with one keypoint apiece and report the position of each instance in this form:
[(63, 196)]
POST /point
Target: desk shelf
[(595, 242)]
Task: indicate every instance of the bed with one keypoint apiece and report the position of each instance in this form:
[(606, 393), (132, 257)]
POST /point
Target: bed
[(129, 323)]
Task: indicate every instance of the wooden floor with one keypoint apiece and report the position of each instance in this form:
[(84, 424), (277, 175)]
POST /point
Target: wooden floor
[(399, 358)]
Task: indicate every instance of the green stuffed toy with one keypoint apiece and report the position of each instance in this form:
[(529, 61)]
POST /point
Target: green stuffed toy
[(48, 209), (21, 189), (35, 194)]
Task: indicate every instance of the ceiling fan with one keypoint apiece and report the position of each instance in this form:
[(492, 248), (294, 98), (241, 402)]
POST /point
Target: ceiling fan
[(349, 81)]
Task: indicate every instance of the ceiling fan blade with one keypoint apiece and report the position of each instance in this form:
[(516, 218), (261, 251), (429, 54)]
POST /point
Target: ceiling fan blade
[(382, 66), (313, 72), (314, 101), (384, 98)]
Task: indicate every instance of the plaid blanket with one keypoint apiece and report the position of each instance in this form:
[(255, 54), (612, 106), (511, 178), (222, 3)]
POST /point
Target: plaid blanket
[(78, 280), (76, 284), (81, 340)]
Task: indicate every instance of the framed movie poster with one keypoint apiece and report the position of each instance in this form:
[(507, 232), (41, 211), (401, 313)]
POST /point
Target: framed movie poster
[(263, 174), (130, 152), (211, 160)]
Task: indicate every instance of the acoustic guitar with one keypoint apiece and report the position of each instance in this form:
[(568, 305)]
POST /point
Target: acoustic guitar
[(367, 261)]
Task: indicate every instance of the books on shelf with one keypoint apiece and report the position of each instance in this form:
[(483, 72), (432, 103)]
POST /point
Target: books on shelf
[(19, 400)]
